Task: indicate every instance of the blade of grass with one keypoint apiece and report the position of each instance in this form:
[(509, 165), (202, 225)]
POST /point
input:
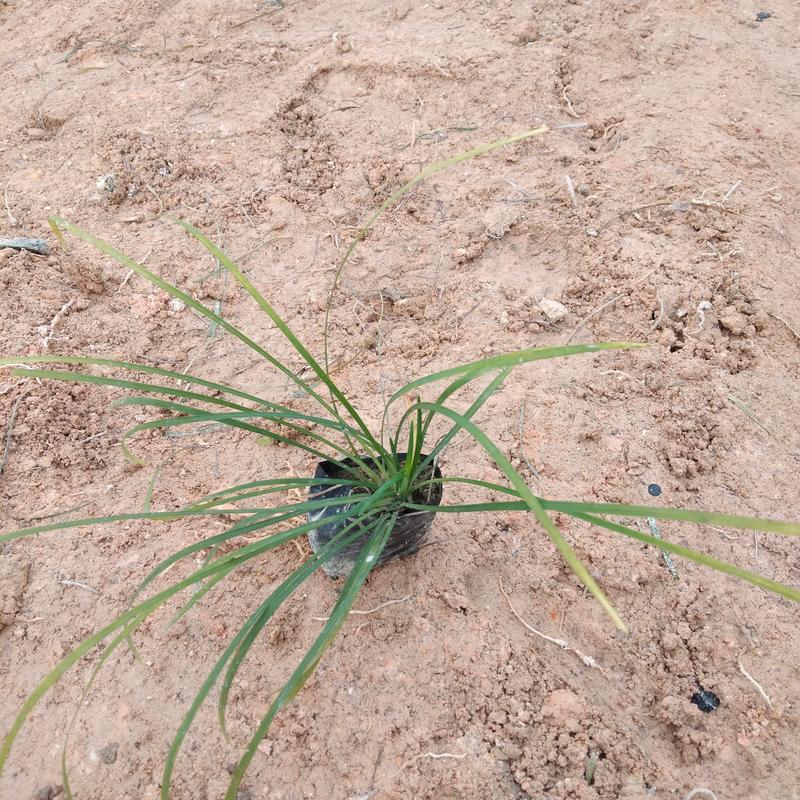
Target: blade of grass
[(684, 515), (57, 223), (363, 565), (693, 555), (145, 608), (490, 389), (535, 505), (282, 417), (484, 365), (269, 486), (147, 506), (120, 383), (239, 646), (183, 377), (283, 327), (87, 521), (352, 531), (397, 195), (19, 363), (369, 501), (107, 653)]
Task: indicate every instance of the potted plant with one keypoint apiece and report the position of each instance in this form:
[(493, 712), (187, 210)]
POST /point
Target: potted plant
[(372, 497)]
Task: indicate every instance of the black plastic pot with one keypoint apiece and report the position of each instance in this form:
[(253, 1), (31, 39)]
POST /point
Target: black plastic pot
[(406, 537)]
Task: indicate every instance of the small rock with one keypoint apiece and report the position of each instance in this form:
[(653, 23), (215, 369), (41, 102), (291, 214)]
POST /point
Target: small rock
[(106, 183), (48, 792), (733, 321), (36, 133), (563, 705), (456, 601), (524, 33), (342, 44), (553, 310), (108, 755), (176, 305)]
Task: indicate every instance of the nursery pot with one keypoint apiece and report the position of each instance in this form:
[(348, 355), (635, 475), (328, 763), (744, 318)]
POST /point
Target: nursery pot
[(410, 528)]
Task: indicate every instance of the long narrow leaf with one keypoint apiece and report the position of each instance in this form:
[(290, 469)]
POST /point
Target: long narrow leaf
[(283, 327), (163, 516), (398, 194), (535, 505), (184, 377), (480, 367), (684, 515), (237, 649), (364, 564), (693, 555), (57, 223), (281, 514), (146, 607)]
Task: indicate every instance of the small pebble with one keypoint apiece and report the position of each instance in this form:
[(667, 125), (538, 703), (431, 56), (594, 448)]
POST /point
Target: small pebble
[(176, 305), (525, 33), (108, 755), (48, 792), (36, 133), (762, 15), (106, 183), (705, 701), (553, 310)]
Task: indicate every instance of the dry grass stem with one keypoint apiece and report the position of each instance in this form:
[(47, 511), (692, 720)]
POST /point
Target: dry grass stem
[(755, 683), (371, 610), (587, 660)]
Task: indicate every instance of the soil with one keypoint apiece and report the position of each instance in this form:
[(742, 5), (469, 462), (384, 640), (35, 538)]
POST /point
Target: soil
[(670, 217)]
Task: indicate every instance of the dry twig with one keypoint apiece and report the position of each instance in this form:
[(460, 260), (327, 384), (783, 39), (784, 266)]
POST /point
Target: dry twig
[(9, 430), (587, 660), (48, 331), (755, 683), (371, 610)]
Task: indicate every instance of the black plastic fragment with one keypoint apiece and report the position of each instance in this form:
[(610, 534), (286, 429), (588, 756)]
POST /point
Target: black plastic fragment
[(706, 701), (762, 15), (654, 490)]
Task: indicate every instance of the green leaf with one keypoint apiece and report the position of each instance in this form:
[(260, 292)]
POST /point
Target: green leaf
[(282, 326), (398, 194), (534, 504), (183, 377), (144, 608), (163, 516), (694, 555), (364, 564), (477, 368), (57, 223), (684, 515)]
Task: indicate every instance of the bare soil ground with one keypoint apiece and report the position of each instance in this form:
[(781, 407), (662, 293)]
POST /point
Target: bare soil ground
[(277, 128)]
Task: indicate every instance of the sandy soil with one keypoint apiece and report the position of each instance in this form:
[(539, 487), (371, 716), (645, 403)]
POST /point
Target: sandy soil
[(277, 128)]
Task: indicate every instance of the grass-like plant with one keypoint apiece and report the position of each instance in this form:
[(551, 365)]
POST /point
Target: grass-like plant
[(369, 487)]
